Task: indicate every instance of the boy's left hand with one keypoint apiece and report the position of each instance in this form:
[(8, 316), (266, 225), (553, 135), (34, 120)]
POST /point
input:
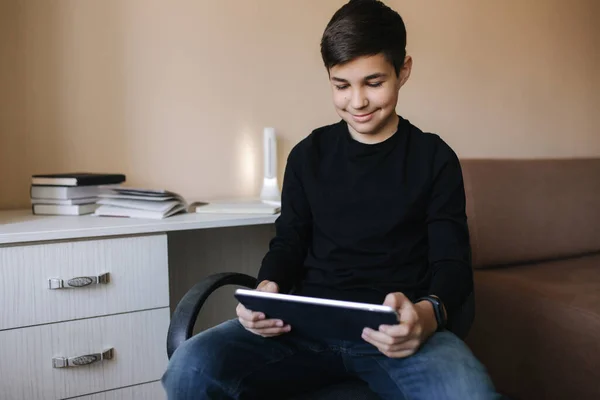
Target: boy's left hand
[(417, 323)]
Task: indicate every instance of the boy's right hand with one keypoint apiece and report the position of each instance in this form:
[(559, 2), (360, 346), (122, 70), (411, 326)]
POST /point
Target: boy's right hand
[(256, 322)]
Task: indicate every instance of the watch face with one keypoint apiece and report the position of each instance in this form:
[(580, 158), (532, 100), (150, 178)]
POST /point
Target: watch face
[(439, 314), (438, 310)]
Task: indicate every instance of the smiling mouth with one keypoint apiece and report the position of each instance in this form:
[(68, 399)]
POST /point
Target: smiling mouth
[(362, 115), (363, 118)]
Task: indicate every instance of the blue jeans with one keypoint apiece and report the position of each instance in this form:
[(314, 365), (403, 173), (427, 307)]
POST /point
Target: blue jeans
[(228, 362)]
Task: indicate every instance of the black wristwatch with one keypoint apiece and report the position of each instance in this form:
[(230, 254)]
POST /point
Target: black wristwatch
[(438, 309)]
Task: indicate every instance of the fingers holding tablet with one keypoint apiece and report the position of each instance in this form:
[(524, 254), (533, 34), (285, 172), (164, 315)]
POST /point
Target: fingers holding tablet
[(315, 317), (256, 322)]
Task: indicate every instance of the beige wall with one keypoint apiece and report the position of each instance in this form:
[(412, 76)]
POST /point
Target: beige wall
[(175, 93)]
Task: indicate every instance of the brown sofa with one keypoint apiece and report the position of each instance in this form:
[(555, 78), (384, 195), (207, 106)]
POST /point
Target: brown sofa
[(535, 232)]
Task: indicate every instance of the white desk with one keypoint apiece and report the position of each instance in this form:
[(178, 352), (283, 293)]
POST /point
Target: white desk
[(151, 264), (22, 226)]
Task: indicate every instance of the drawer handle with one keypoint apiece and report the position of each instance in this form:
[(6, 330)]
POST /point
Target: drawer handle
[(62, 362), (78, 282)]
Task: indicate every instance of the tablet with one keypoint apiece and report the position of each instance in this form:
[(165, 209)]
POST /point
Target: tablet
[(316, 317)]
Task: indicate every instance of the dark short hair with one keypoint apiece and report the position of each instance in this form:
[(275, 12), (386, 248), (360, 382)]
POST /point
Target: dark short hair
[(364, 28)]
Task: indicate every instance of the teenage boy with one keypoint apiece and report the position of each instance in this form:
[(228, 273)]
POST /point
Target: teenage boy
[(373, 210)]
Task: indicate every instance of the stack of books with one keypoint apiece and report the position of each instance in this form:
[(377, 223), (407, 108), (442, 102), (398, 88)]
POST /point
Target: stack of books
[(69, 193), (139, 203)]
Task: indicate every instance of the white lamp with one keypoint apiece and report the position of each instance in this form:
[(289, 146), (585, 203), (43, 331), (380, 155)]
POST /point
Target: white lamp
[(270, 189)]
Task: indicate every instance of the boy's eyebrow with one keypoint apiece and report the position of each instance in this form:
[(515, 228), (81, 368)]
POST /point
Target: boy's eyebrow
[(367, 78), (375, 76), (335, 78)]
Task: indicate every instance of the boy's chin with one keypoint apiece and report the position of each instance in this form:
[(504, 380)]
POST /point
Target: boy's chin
[(370, 128), (366, 129)]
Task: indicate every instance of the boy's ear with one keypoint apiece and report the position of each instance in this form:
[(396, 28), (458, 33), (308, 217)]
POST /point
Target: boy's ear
[(405, 71)]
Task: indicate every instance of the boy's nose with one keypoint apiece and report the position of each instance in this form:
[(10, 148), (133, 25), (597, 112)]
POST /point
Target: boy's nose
[(359, 100)]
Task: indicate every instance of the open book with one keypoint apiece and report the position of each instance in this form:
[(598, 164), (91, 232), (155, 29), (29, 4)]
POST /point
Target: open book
[(140, 203)]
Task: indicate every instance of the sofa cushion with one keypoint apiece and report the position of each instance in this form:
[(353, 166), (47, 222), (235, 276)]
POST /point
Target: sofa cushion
[(532, 210), (536, 328)]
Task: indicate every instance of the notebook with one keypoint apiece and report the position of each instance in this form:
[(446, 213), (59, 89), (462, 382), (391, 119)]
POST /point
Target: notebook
[(64, 192), (56, 209), (77, 179), (237, 207), (65, 202)]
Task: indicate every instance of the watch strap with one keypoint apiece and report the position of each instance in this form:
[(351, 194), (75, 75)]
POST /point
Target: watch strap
[(437, 310)]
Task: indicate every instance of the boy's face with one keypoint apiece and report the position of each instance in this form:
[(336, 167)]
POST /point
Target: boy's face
[(365, 94)]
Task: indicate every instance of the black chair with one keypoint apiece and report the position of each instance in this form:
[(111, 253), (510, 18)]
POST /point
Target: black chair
[(186, 312)]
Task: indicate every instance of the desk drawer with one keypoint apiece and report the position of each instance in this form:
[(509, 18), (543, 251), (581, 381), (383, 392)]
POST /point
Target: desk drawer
[(28, 354), (137, 268), (148, 391)]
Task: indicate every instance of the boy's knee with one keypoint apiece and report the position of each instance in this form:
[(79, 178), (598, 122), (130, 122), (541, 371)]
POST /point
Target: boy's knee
[(453, 371), (192, 369), (182, 367)]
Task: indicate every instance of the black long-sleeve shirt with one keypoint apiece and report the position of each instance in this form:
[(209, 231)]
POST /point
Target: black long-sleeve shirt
[(359, 221)]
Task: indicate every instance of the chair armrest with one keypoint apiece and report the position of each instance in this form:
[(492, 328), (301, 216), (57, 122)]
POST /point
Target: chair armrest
[(186, 312)]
